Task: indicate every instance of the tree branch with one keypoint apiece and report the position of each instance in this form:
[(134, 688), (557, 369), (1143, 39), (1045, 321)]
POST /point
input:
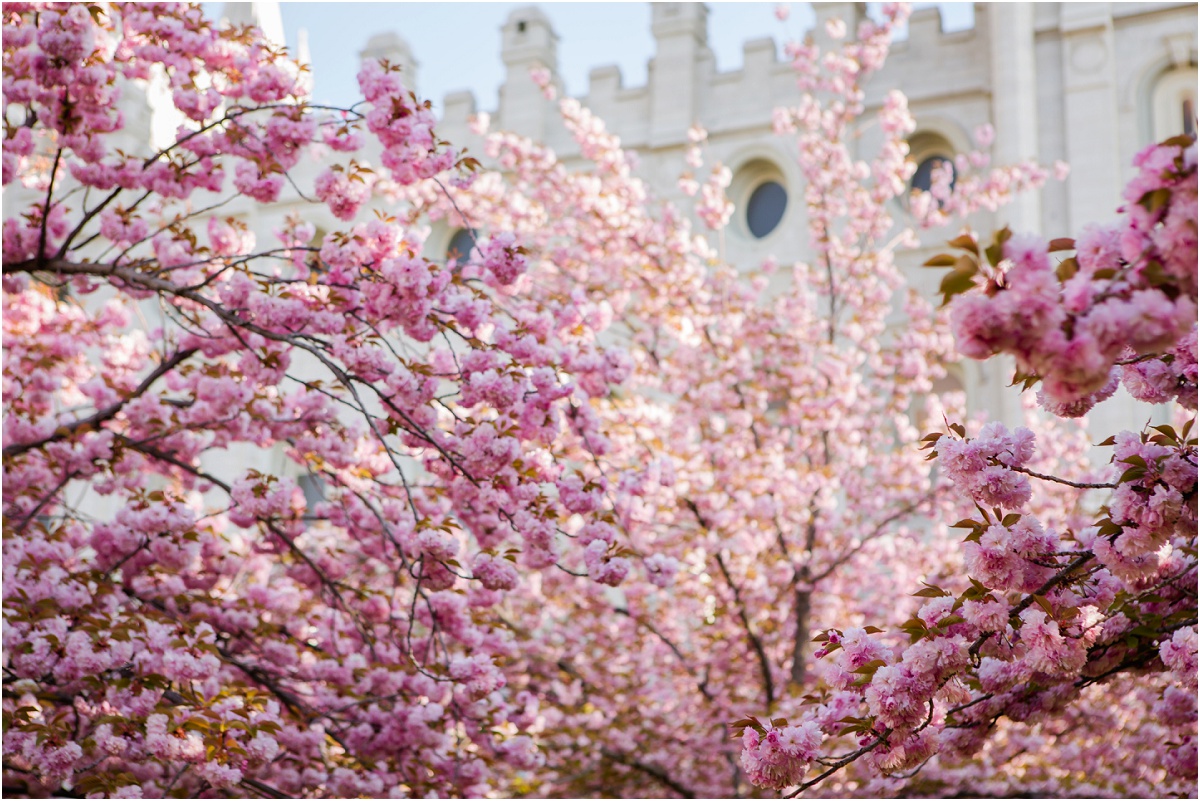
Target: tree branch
[(658, 774), (1057, 480), (107, 413)]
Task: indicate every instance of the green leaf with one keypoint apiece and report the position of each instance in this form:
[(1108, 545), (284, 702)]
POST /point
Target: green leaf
[(1181, 140), (1132, 474), (1155, 274), (955, 283), (748, 722), (1066, 269), (1155, 200), (964, 242), (941, 260), (994, 254)]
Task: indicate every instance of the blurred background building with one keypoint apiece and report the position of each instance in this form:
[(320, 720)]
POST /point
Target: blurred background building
[(1087, 83)]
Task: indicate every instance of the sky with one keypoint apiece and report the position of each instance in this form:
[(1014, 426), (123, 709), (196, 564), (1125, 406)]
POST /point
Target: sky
[(457, 45)]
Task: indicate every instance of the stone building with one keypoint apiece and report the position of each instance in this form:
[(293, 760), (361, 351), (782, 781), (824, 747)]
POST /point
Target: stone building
[(1087, 83)]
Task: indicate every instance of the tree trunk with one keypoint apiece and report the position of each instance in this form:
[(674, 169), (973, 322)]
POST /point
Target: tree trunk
[(800, 644)]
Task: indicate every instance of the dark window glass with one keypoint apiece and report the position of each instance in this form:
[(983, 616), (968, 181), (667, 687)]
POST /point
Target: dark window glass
[(314, 492), (460, 245), (923, 178), (765, 209), (1189, 116)]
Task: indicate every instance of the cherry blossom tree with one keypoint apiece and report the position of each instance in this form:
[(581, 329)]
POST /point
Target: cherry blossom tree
[(763, 453), (1050, 616), (177, 621), (590, 491)]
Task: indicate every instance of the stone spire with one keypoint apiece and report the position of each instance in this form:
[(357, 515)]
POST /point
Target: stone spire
[(850, 13), (527, 41), (392, 47), (682, 64)]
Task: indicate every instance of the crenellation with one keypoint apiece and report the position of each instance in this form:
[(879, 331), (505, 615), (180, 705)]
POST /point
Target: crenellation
[(605, 80), (925, 26), (744, 100), (958, 60), (458, 108), (759, 57), (609, 99), (850, 13)]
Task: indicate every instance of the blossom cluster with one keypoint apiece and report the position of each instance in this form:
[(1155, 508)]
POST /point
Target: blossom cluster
[(198, 625), (1047, 612), (985, 467), (1122, 308)]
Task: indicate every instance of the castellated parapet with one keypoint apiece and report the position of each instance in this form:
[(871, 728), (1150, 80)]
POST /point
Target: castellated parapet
[(1087, 83), (1076, 82)]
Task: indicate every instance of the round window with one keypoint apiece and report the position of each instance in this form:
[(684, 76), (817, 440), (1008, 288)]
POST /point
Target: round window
[(922, 179), (461, 245), (765, 208)]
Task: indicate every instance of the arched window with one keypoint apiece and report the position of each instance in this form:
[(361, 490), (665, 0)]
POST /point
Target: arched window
[(313, 488), (765, 208), (922, 179), (759, 191), (929, 151), (1174, 103), (461, 245)]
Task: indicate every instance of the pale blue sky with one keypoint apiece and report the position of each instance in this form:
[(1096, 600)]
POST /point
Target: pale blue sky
[(457, 45)]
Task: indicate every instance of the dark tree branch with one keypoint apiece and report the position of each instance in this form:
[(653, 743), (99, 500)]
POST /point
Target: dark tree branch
[(107, 413), (657, 773)]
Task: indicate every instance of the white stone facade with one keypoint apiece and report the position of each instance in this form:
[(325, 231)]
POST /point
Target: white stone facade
[(1087, 83)]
